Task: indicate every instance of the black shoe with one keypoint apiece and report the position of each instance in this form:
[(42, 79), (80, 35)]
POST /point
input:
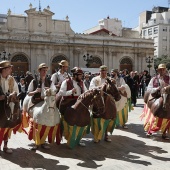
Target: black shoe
[(149, 135), (165, 137)]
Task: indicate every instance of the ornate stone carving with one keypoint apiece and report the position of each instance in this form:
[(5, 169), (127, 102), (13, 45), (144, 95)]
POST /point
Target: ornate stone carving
[(40, 25), (114, 53)]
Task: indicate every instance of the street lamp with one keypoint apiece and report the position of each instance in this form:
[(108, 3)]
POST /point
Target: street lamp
[(149, 60), (4, 56), (88, 58)]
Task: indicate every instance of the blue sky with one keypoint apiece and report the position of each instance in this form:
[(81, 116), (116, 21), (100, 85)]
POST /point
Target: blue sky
[(84, 14)]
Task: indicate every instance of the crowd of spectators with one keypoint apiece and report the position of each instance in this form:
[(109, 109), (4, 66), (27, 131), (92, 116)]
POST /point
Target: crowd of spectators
[(137, 82)]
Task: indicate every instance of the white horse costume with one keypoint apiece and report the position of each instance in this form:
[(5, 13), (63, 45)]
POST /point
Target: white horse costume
[(123, 106), (43, 119), (122, 102)]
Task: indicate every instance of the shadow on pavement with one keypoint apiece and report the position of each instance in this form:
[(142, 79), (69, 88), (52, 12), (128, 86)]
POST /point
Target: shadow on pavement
[(139, 130), (121, 148), (139, 105), (30, 159)]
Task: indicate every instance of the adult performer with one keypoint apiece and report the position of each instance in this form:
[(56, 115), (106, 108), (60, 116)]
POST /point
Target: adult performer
[(124, 104), (157, 84), (8, 85), (71, 89), (58, 77), (96, 82), (36, 96)]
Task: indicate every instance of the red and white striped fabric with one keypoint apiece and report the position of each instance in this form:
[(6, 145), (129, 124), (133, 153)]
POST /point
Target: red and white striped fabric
[(152, 123)]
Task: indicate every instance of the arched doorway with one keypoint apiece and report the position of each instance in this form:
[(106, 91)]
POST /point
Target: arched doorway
[(95, 63), (55, 61), (126, 63), (20, 64)]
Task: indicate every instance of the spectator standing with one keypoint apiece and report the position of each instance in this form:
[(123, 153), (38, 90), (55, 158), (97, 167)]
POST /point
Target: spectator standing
[(87, 80), (137, 82), (22, 90), (28, 79), (144, 81), (132, 85)]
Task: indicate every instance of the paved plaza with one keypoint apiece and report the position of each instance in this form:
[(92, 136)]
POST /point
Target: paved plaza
[(129, 149)]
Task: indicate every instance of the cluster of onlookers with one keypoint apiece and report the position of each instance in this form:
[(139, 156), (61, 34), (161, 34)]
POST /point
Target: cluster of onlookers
[(137, 82), (23, 83)]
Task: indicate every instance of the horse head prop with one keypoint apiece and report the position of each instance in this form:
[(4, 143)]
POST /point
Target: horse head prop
[(10, 111), (109, 87), (49, 99), (78, 114), (110, 95)]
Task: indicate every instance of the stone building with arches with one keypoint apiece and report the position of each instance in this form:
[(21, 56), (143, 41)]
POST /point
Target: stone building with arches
[(37, 38)]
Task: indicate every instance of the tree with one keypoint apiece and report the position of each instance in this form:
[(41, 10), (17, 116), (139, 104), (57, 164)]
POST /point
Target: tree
[(164, 59)]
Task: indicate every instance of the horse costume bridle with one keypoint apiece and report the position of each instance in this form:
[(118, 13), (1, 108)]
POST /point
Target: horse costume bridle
[(102, 98), (50, 107)]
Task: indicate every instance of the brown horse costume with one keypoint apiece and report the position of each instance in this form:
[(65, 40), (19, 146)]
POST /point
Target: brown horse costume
[(79, 114), (158, 103), (157, 111), (102, 121), (10, 115), (77, 117)]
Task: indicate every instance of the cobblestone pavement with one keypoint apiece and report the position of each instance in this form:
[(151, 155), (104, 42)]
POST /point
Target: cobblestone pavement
[(129, 149)]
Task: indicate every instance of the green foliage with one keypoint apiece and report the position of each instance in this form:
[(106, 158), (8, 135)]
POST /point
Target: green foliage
[(164, 59)]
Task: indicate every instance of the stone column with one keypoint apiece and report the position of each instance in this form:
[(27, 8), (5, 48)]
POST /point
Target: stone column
[(135, 62), (141, 59), (144, 64), (115, 64), (48, 24), (139, 68), (76, 55), (110, 60), (105, 58), (71, 57)]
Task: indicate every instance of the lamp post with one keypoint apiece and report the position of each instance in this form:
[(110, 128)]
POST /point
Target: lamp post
[(4, 56), (149, 60), (88, 58)]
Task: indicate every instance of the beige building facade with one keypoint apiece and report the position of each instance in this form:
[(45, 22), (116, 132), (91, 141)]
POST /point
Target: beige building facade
[(37, 38)]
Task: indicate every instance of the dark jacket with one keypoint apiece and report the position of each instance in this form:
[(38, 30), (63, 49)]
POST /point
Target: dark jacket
[(28, 79)]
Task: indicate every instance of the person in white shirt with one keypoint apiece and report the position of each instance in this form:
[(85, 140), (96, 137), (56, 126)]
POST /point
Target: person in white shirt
[(72, 87), (41, 82), (58, 77), (123, 102), (8, 85), (70, 90), (158, 85), (36, 90), (96, 82)]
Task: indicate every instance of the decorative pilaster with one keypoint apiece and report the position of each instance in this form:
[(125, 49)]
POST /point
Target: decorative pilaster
[(115, 63), (76, 55)]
